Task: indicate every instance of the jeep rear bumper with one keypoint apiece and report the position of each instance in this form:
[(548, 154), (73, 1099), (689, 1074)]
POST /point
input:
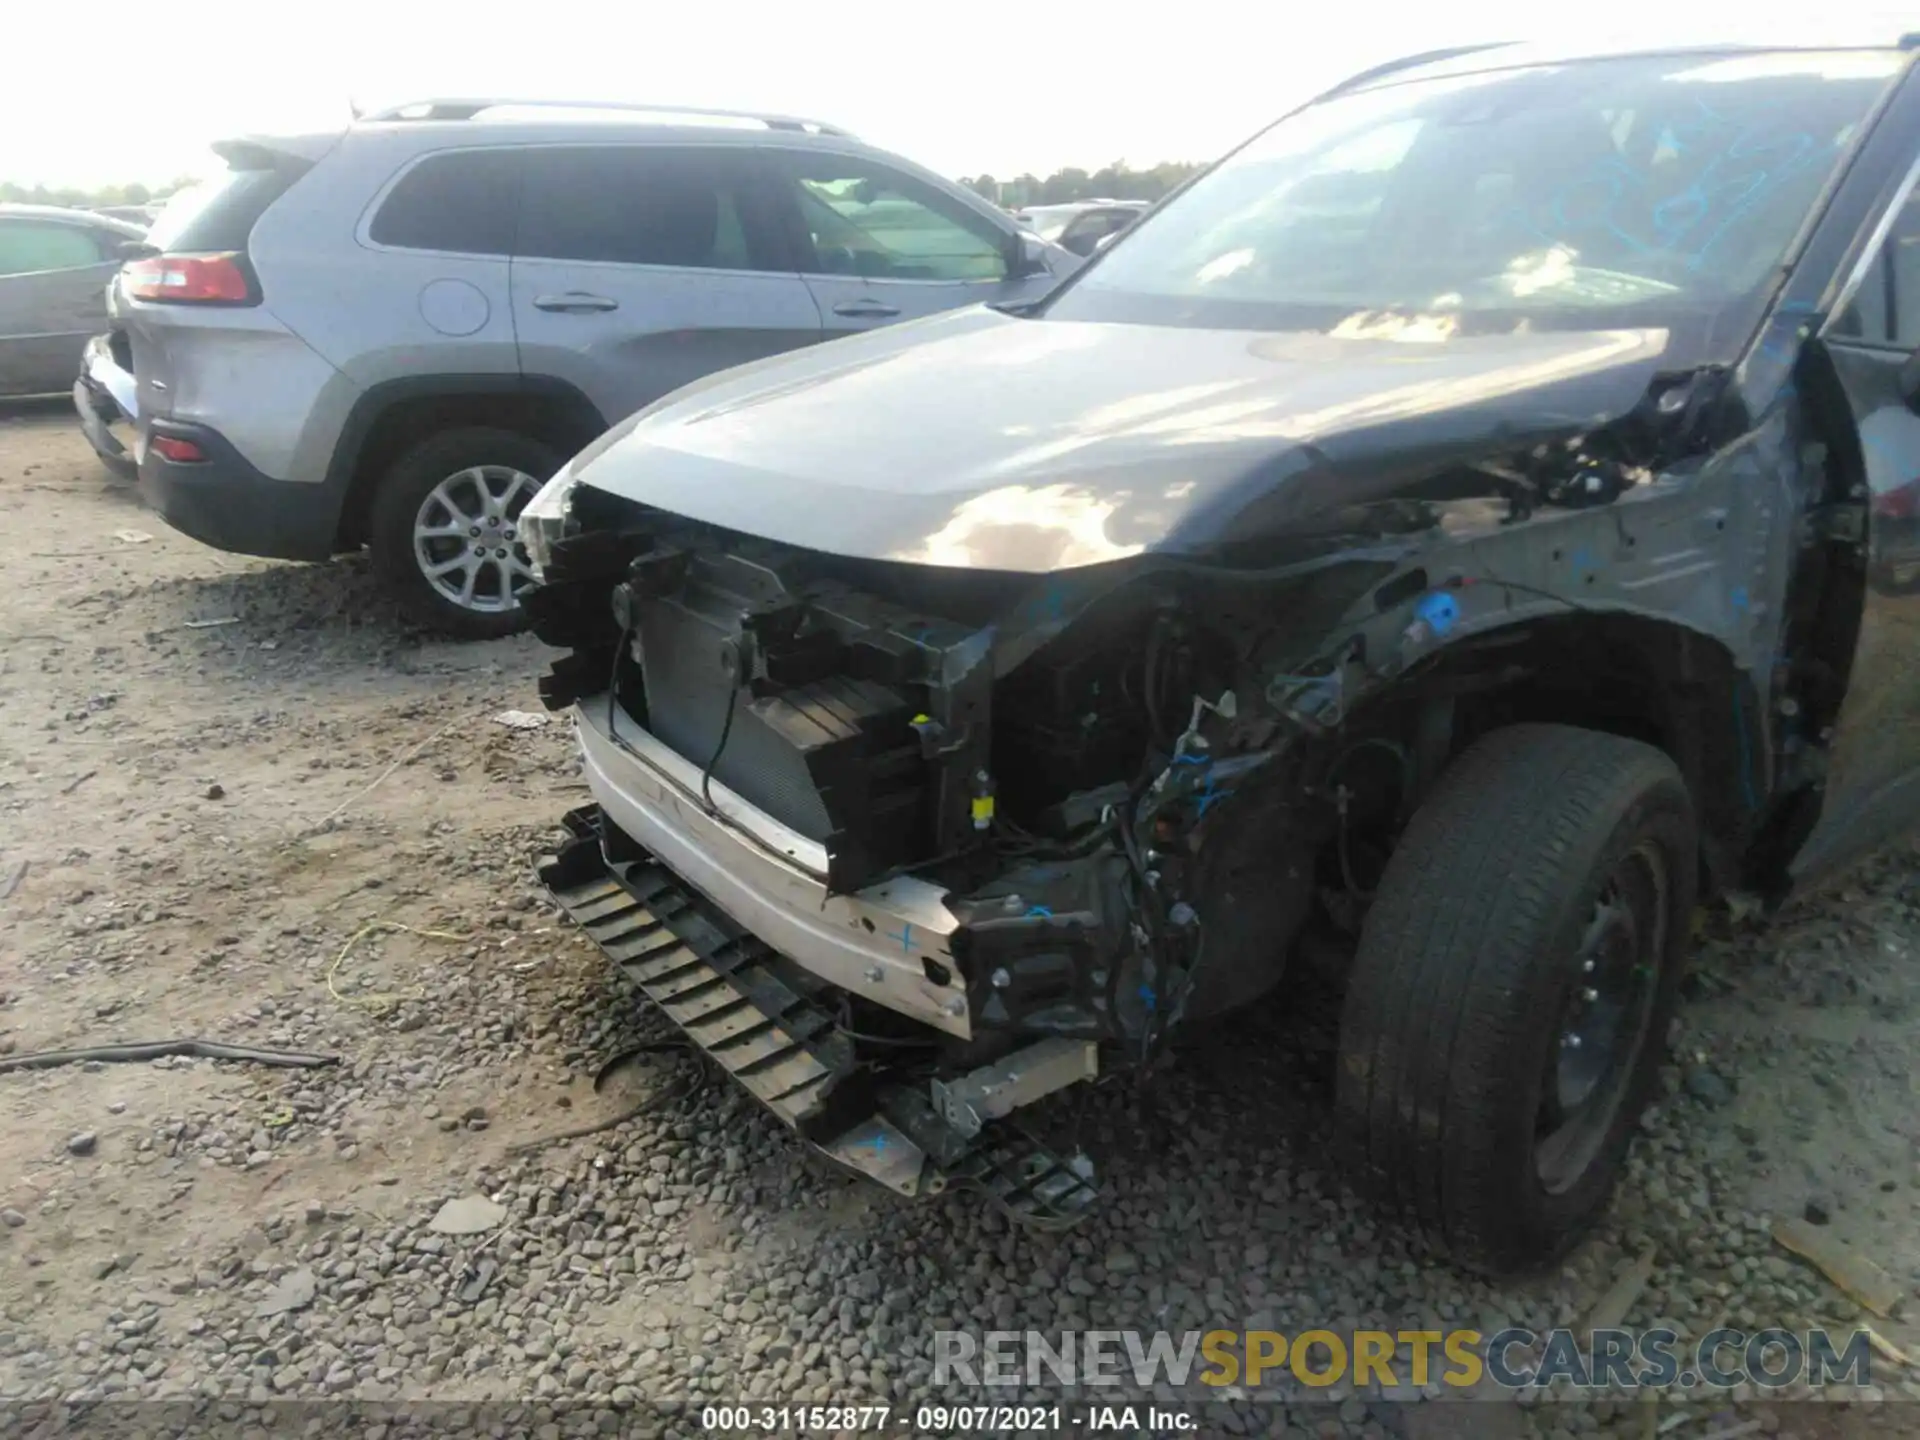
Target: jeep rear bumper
[(223, 501)]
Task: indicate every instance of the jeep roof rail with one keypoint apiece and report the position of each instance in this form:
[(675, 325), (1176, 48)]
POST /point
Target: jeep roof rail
[(1408, 62), (466, 108)]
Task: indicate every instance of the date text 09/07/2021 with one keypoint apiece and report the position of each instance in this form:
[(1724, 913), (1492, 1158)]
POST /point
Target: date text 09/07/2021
[(939, 1419)]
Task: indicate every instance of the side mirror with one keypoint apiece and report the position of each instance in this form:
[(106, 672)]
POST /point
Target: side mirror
[(1025, 255), (134, 249)]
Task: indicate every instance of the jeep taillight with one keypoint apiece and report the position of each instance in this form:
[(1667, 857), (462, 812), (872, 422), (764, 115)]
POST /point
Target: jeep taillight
[(189, 280), (172, 447)]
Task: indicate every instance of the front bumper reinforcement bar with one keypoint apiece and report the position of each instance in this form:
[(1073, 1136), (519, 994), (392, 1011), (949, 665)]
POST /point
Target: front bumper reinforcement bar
[(769, 1024)]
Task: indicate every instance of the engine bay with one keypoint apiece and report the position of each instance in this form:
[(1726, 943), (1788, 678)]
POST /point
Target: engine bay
[(1066, 757)]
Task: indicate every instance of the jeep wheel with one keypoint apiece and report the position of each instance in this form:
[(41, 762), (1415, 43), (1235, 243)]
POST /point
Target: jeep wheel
[(443, 530), (1508, 1007)]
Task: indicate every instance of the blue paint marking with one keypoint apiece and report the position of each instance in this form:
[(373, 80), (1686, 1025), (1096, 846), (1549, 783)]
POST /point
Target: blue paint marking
[(1741, 600), (877, 1142), (1440, 610), (1039, 912), (1192, 759), (1581, 559), (1148, 998), (905, 937)]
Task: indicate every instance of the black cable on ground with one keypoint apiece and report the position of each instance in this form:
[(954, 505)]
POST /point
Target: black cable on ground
[(156, 1049), (580, 1132)]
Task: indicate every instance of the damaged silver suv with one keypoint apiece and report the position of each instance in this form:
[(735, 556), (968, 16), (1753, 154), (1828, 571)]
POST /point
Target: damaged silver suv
[(1462, 531)]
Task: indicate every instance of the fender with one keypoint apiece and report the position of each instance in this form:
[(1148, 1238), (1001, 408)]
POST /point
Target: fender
[(377, 400), (546, 406)]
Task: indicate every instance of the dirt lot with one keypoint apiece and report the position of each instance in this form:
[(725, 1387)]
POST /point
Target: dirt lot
[(219, 773)]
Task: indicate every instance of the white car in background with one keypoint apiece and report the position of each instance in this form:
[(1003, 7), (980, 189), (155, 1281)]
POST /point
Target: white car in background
[(1084, 225)]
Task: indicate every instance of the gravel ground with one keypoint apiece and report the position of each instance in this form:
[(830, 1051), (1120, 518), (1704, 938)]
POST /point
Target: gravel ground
[(220, 821)]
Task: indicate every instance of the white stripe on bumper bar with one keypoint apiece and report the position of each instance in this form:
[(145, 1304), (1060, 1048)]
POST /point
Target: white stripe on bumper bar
[(871, 944)]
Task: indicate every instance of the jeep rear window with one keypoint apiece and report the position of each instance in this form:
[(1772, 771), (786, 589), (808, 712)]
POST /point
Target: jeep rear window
[(461, 201), (1657, 191), (219, 213)]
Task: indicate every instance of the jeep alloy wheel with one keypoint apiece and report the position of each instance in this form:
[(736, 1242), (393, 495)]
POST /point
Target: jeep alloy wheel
[(445, 533), (465, 537)]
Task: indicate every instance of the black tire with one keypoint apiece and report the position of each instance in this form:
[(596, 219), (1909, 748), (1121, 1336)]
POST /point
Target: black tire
[(397, 505), (1469, 967)]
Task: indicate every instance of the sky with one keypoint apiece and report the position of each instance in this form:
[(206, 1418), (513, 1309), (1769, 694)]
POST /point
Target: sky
[(111, 91)]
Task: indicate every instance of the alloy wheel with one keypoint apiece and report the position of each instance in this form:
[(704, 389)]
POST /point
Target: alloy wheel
[(466, 537)]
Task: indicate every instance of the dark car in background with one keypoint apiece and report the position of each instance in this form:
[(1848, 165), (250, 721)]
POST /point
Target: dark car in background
[(1084, 225), (54, 268), (141, 215)]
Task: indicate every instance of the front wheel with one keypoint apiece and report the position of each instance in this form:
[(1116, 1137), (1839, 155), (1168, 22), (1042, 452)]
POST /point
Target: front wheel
[(445, 532), (1507, 1010)]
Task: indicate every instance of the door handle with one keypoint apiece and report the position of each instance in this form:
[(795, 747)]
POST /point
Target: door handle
[(864, 309), (575, 302)]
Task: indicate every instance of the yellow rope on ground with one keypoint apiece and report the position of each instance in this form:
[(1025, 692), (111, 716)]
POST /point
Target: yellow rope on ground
[(386, 1000)]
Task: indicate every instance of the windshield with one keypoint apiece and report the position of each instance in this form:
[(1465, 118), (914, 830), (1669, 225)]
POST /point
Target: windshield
[(1657, 191)]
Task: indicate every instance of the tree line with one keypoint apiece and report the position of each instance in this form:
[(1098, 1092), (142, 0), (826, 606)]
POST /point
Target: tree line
[(1118, 181), (78, 198)]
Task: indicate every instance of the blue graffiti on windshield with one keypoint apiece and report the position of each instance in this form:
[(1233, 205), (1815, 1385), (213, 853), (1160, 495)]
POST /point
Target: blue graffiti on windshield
[(1736, 167)]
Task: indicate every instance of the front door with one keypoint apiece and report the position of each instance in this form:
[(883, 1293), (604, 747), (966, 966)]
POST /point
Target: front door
[(1873, 782), (640, 267), (878, 245)]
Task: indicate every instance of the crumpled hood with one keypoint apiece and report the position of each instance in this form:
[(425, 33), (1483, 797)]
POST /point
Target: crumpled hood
[(976, 439)]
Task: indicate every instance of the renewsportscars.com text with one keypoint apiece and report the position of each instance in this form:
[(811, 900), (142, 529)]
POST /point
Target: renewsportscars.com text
[(1513, 1359)]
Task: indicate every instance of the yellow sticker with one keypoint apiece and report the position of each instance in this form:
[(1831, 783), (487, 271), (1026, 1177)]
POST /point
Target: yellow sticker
[(982, 808)]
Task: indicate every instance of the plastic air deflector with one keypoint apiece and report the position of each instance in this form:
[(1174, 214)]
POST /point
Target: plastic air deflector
[(770, 1025)]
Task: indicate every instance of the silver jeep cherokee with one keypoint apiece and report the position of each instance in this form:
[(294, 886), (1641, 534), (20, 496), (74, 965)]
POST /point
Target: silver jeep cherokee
[(392, 334)]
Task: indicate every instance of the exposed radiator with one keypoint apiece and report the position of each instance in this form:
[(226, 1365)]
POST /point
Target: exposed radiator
[(834, 759)]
